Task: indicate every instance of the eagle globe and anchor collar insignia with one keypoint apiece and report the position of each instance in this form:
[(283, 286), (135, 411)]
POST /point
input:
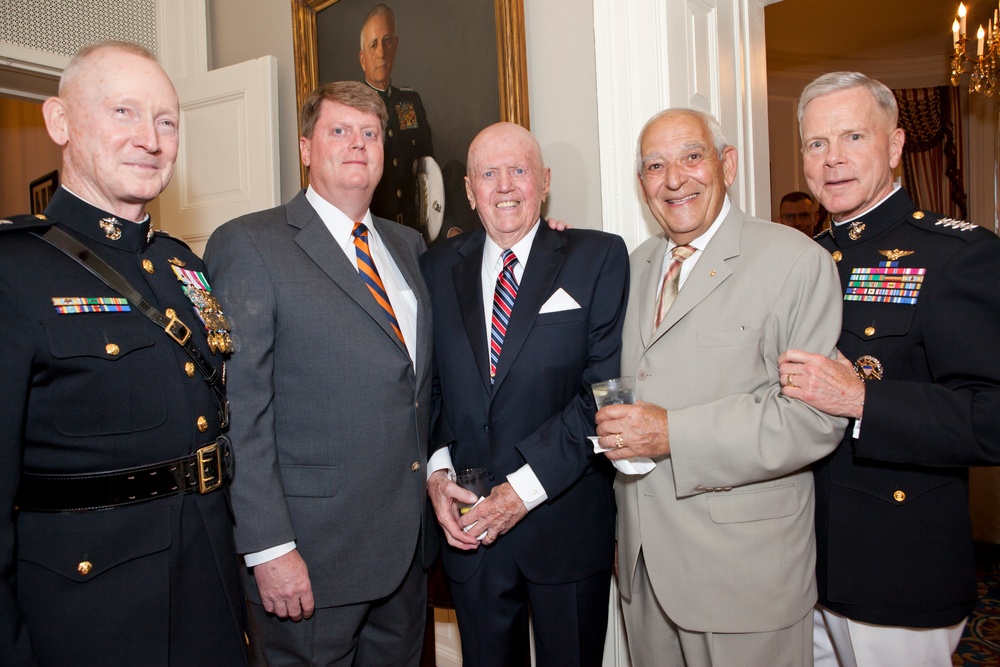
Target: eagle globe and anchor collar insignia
[(855, 229), (111, 228), (868, 367)]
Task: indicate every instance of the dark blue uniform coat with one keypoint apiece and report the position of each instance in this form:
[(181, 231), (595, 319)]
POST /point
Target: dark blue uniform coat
[(99, 391), (892, 520)]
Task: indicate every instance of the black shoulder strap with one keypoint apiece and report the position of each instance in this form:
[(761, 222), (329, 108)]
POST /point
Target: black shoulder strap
[(173, 327)]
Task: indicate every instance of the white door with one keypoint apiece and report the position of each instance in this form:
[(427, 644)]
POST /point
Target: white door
[(228, 159)]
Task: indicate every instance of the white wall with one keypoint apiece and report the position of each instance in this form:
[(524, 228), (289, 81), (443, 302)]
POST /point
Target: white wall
[(562, 95)]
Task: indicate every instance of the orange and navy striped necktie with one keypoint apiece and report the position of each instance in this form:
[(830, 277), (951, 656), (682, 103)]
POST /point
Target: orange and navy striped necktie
[(369, 275)]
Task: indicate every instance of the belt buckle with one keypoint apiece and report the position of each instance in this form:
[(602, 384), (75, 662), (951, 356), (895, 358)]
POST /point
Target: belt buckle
[(178, 330), (209, 468)]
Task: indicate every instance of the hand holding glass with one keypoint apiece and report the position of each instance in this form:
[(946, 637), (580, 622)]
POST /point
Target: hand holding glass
[(613, 392), (472, 479)]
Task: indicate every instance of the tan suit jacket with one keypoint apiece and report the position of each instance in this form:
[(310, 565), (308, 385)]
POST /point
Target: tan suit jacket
[(725, 523)]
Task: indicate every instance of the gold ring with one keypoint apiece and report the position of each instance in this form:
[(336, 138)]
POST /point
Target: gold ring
[(788, 380), (619, 442)]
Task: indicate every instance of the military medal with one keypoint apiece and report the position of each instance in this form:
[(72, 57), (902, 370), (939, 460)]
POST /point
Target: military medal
[(868, 368), (207, 307), (855, 229), (177, 261), (407, 115), (111, 228)]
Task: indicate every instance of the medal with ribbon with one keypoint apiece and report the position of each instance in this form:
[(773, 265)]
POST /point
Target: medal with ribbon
[(207, 307)]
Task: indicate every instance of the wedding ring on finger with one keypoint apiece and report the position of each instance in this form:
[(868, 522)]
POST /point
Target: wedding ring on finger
[(788, 380), (619, 441)]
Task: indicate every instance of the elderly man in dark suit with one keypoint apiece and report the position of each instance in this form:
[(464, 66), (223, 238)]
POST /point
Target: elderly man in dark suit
[(525, 319), (919, 376), (330, 402)]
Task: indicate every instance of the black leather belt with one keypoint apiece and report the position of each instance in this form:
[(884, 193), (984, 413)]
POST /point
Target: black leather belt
[(202, 472)]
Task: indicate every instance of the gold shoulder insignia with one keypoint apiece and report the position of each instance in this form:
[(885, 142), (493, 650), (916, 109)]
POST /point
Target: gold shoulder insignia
[(893, 255)]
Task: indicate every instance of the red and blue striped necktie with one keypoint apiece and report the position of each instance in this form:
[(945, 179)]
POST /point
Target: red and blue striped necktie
[(503, 304), (369, 275)]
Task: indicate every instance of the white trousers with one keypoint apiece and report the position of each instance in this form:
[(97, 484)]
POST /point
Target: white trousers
[(840, 642)]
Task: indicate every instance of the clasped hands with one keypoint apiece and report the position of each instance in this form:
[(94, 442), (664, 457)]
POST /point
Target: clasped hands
[(633, 430), (495, 515)]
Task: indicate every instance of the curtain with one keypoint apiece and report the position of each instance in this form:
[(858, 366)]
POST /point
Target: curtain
[(932, 154)]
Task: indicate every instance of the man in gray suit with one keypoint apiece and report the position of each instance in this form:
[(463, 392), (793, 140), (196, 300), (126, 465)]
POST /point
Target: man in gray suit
[(716, 548), (330, 402)]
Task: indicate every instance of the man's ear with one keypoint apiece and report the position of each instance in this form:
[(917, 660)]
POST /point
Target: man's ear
[(729, 163), (468, 193), (896, 141), (56, 120), (304, 150)]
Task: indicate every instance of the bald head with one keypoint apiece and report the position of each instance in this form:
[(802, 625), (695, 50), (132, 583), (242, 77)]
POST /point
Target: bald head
[(507, 181), (81, 60), (116, 118)]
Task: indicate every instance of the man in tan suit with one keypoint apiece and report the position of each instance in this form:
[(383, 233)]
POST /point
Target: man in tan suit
[(716, 545)]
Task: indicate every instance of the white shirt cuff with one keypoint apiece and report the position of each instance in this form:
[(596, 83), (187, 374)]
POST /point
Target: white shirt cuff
[(857, 429), (527, 487), (259, 557), (440, 460)]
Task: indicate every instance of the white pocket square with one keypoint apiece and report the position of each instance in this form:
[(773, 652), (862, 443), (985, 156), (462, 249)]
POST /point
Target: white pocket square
[(560, 300)]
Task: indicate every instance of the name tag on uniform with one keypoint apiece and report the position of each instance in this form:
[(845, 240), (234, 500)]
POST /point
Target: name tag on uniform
[(69, 305)]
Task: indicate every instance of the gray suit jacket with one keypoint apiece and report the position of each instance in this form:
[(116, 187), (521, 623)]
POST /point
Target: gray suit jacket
[(329, 417), (725, 523)]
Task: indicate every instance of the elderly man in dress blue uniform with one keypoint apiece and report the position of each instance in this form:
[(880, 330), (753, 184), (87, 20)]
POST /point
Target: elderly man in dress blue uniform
[(116, 542), (919, 376), (407, 136)]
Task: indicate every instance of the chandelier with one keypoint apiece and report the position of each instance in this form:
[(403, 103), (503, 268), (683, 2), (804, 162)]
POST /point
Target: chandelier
[(985, 64)]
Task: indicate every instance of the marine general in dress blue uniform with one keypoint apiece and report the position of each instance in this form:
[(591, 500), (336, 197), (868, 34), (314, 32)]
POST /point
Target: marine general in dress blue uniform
[(115, 538), (407, 136), (919, 374)]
